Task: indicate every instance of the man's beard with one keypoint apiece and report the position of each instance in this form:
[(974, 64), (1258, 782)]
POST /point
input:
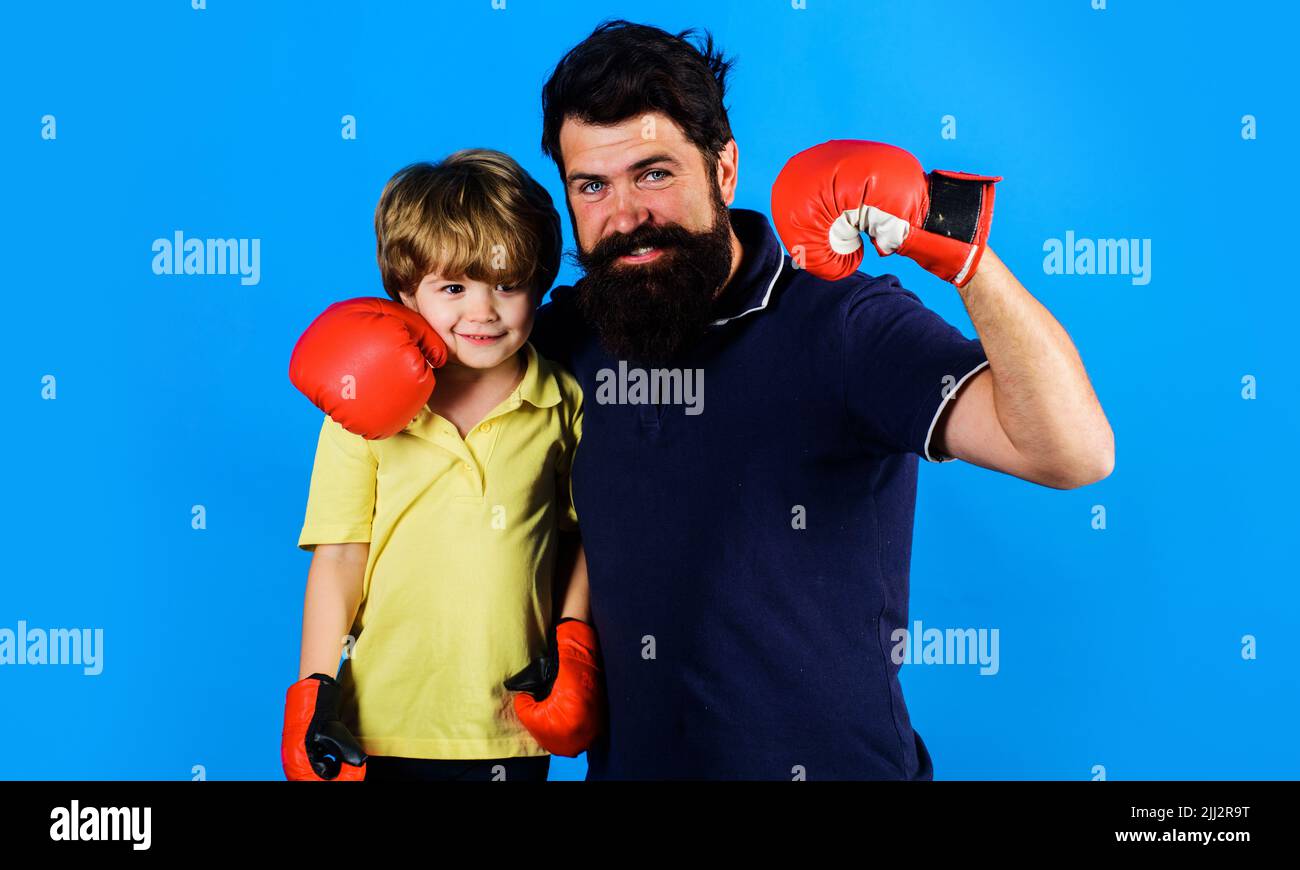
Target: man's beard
[(648, 312)]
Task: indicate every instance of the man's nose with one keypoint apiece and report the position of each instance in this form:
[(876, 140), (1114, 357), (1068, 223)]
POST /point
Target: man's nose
[(629, 210)]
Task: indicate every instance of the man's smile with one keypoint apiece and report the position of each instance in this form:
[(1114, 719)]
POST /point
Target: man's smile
[(641, 255)]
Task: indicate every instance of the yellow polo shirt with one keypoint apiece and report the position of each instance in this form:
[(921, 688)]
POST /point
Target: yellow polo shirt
[(457, 593)]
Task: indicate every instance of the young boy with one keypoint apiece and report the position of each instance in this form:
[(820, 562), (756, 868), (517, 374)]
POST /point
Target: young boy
[(434, 547)]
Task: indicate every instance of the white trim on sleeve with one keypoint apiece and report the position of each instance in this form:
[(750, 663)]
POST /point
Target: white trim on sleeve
[(930, 432)]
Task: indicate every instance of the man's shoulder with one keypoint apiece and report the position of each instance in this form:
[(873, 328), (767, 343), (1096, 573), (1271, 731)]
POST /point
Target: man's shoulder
[(855, 284), (558, 326), (561, 303), (857, 293)]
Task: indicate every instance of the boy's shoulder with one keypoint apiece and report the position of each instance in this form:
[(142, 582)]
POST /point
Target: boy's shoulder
[(548, 368), (349, 442)]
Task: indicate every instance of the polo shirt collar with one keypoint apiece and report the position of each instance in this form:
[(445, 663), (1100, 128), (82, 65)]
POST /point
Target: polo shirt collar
[(761, 263), (539, 388)]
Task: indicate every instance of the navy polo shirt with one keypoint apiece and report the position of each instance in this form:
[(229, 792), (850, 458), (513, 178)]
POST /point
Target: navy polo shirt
[(748, 553)]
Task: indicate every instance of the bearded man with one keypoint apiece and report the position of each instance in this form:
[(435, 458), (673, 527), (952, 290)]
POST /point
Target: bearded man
[(748, 564)]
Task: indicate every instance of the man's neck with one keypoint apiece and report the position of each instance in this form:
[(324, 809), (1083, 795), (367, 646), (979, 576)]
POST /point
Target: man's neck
[(737, 254)]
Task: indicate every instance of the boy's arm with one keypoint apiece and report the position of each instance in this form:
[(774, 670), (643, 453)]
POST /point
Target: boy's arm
[(315, 744), (559, 697), (334, 588), (576, 600)]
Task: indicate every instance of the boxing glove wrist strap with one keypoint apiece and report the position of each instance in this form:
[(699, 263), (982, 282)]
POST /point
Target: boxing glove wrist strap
[(956, 206)]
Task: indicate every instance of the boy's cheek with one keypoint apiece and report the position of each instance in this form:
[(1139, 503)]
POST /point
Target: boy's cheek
[(442, 321), (447, 339), (521, 317), (528, 319)]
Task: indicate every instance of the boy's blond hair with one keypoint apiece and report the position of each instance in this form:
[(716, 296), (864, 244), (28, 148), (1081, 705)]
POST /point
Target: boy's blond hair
[(477, 214)]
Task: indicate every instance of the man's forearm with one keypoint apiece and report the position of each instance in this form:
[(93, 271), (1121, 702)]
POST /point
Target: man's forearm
[(1041, 392)]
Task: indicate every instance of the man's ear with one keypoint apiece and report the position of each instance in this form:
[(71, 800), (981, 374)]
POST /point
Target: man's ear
[(728, 170)]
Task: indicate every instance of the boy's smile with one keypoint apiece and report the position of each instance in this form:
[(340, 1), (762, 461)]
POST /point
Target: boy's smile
[(481, 338), (483, 324)]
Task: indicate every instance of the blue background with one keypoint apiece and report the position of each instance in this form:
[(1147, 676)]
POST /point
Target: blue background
[(1119, 647)]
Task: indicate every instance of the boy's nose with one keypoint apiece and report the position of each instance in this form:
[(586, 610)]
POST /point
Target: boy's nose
[(481, 308), (481, 314)]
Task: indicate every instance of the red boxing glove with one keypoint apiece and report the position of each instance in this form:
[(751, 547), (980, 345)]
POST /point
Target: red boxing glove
[(314, 745), (368, 363), (826, 196), (559, 697)]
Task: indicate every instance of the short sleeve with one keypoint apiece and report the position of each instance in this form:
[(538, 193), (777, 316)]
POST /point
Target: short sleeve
[(903, 364), (568, 514), (341, 501)]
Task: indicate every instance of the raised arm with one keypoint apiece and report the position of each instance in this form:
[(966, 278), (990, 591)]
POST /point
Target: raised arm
[(1032, 412)]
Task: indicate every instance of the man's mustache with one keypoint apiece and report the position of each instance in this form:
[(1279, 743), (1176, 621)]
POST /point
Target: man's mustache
[(618, 245)]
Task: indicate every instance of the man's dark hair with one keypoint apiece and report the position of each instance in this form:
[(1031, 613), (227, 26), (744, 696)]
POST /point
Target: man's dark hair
[(623, 70)]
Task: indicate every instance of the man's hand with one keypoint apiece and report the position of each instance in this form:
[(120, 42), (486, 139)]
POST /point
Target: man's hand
[(827, 196)]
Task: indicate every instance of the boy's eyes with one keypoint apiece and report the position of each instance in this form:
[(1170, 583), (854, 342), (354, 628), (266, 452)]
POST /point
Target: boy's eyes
[(457, 289)]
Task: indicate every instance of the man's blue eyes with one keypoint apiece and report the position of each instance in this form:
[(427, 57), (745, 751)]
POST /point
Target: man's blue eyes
[(587, 188)]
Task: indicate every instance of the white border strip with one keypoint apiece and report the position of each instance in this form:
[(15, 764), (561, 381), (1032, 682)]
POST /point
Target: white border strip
[(930, 433), (766, 296)]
